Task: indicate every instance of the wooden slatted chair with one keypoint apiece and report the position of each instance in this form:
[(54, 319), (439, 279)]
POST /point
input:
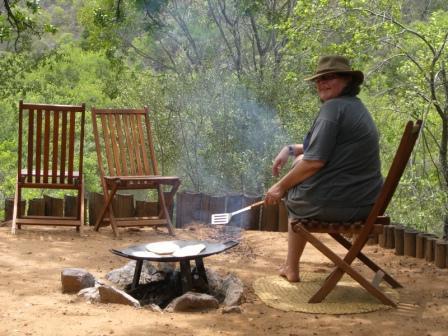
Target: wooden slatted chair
[(362, 230), (124, 136), (50, 156)]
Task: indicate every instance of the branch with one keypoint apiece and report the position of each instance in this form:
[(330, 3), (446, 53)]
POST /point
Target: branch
[(399, 24), (19, 25), (383, 62), (186, 31), (412, 59), (222, 6), (152, 59), (445, 86), (261, 50), (442, 47), (221, 31), (118, 11)]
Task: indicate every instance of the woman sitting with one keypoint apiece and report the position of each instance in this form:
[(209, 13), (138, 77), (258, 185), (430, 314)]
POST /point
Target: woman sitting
[(336, 173)]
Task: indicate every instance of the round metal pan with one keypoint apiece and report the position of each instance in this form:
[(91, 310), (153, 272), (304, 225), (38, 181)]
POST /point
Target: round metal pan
[(210, 249)]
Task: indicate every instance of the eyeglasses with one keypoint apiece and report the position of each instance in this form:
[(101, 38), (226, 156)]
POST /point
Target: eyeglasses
[(327, 77)]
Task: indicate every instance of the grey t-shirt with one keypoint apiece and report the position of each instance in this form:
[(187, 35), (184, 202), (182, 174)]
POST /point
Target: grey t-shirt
[(346, 138)]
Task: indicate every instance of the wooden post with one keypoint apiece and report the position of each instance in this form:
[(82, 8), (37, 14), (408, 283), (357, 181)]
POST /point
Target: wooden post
[(441, 250), (234, 203), (205, 216), (216, 205), (390, 236), (282, 217), (96, 203), (382, 237), (146, 209), (429, 248), (251, 219), (123, 205), (269, 218), (70, 205), (399, 240), (36, 207), (179, 205), (420, 243), (373, 239), (54, 206), (190, 208), (9, 208), (409, 242)]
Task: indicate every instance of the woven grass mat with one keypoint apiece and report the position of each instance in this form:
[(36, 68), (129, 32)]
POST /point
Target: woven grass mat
[(347, 298)]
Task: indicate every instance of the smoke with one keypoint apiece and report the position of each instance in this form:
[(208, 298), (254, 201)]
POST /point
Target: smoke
[(228, 139)]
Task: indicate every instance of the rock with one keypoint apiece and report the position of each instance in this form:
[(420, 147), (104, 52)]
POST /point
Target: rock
[(234, 291), (90, 294), (215, 283), (124, 275), (166, 267), (192, 301), (110, 294), (75, 279), (153, 307), (232, 309), (228, 290)]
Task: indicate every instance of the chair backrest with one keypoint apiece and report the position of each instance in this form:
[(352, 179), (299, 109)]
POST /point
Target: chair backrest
[(397, 168), (124, 136), (50, 144)]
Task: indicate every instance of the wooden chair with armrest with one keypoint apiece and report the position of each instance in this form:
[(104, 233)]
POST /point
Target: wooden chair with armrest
[(362, 230), (127, 161), (50, 156)]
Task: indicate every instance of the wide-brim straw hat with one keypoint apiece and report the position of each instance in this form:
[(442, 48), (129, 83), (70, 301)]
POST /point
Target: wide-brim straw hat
[(336, 64)]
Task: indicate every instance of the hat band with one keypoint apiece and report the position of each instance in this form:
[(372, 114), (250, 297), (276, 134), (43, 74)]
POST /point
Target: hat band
[(323, 71)]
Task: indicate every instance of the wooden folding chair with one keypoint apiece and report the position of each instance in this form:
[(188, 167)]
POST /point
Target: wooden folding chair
[(124, 136), (372, 225), (50, 148)]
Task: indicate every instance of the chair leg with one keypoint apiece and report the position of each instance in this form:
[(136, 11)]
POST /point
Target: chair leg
[(352, 253), (367, 261), (108, 206), (165, 210), (16, 209), (342, 266), (81, 206)]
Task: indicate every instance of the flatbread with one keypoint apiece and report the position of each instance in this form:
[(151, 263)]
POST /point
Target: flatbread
[(189, 250), (162, 247), (144, 254)]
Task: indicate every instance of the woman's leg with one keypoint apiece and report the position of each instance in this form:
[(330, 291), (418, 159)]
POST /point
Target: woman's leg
[(296, 245)]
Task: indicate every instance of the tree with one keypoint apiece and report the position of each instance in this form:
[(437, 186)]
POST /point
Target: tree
[(406, 56), (218, 63), (19, 21), (422, 52)]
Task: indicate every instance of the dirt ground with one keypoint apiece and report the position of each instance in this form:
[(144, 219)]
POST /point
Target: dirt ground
[(31, 302)]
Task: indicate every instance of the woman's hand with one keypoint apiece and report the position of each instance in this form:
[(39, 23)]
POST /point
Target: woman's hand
[(279, 161), (274, 194)]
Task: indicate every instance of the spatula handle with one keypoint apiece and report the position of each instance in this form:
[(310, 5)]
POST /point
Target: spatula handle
[(247, 208), (257, 204)]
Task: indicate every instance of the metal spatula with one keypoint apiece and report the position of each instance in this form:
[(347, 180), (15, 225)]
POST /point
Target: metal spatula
[(224, 218)]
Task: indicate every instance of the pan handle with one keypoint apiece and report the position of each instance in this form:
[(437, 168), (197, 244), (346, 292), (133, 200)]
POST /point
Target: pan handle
[(230, 243)]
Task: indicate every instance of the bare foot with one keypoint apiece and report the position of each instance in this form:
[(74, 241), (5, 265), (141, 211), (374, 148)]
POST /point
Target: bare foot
[(290, 274)]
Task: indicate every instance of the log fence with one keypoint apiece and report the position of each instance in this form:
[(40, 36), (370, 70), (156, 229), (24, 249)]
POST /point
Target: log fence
[(193, 207)]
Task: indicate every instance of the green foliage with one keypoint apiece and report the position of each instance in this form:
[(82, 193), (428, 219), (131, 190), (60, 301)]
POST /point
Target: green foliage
[(20, 21), (224, 84)]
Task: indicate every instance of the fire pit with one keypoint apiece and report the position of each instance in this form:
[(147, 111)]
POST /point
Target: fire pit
[(184, 254)]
